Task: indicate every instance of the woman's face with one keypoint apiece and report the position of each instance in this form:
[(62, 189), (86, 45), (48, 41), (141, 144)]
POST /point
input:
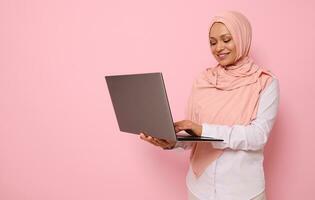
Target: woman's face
[(222, 45)]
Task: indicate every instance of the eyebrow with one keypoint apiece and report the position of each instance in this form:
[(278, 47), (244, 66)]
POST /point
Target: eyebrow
[(222, 35)]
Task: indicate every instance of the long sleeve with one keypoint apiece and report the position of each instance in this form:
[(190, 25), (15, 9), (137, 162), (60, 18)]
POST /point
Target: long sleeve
[(253, 136)]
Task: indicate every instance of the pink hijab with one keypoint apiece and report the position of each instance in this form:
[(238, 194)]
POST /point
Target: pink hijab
[(226, 96)]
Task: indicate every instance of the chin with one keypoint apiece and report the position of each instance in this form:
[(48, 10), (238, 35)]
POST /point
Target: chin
[(225, 62)]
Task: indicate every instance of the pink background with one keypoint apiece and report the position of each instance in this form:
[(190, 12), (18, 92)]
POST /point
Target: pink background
[(59, 138)]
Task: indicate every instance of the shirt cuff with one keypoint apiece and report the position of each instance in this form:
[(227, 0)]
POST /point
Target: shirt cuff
[(214, 131)]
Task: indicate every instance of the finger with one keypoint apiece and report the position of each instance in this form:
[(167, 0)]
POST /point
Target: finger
[(166, 143), (177, 129), (152, 141), (162, 142), (143, 136), (147, 139), (178, 123), (184, 126)]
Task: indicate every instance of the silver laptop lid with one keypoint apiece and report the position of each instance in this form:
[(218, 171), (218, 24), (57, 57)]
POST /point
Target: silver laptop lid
[(141, 105)]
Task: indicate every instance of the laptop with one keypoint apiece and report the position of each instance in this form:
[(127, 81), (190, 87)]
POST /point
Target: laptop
[(141, 105)]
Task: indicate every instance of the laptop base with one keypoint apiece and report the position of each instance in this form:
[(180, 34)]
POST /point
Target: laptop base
[(196, 138)]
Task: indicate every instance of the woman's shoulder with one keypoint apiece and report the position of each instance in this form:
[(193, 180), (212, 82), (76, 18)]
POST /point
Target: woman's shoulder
[(269, 81), (268, 78), (268, 73)]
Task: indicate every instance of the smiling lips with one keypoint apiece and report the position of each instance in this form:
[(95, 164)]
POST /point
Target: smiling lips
[(222, 55)]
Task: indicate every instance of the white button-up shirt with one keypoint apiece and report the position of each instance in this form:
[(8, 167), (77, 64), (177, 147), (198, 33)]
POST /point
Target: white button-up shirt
[(238, 173)]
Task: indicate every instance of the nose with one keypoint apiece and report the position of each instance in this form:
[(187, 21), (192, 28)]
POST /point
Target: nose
[(219, 47)]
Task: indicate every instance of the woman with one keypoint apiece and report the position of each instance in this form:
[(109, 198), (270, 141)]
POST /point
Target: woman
[(236, 101)]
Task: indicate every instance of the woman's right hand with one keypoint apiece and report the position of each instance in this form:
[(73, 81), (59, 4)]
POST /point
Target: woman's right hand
[(158, 142)]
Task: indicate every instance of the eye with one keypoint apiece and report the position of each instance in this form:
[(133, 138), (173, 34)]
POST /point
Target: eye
[(212, 42), (226, 41)]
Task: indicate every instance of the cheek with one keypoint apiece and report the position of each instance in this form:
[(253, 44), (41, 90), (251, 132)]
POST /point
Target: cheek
[(232, 48), (213, 51)]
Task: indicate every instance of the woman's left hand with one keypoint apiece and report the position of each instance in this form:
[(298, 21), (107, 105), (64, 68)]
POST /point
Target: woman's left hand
[(188, 125)]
